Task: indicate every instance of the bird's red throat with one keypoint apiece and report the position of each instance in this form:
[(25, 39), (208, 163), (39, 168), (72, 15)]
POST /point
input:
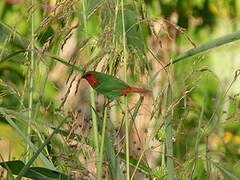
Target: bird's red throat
[(92, 80)]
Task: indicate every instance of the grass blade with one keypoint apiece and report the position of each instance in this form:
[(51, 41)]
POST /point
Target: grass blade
[(110, 152), (169, 137), (37, 173), (136, 164), (41, 156), (8, 33), (206, 46), (201, 48), (37, 153), (136, 109), (56, 58), (115, 170), (7, 56), (225, 172)]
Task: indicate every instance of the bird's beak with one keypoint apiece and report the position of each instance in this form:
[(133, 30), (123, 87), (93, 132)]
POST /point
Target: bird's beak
[(83, 76)]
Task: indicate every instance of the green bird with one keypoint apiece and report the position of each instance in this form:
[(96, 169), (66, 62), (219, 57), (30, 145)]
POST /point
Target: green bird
[(110, 86)]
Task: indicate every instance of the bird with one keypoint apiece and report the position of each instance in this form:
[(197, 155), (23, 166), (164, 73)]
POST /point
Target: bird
[(110, 86)]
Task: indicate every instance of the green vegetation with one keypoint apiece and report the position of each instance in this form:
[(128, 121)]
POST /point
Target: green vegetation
[(54, 126)]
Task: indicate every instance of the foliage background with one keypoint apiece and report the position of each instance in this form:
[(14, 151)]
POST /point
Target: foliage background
[(131, 40)]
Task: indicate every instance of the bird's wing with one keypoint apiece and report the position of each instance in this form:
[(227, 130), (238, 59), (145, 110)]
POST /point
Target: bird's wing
[(110, 84)]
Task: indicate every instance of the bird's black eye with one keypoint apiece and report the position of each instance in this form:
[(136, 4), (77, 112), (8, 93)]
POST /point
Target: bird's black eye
[(86, 75)]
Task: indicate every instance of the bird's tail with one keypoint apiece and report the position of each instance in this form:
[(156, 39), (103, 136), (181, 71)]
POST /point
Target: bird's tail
[(136, 90)]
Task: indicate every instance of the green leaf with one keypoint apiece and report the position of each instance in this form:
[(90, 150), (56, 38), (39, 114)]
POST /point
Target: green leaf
[(37, 173), (133, 29)]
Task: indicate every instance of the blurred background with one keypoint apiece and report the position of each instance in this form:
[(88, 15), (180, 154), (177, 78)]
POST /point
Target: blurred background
[(37, 90)]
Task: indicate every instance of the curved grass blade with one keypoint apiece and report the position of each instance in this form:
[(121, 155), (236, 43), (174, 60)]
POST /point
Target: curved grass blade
[(37, 153), (202, 48), (229, 175), (37, 173), (8, 33), (11, 55), (206, 46), (61, 131), (61, 60), (18, 130)]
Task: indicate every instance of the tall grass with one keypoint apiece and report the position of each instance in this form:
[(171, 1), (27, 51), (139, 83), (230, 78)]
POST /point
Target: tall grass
[(179, 132)]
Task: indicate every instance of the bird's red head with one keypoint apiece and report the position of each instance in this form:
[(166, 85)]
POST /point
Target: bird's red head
[(92, 80)]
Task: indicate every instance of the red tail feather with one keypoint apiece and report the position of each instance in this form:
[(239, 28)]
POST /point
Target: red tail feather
[(135, 90)]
